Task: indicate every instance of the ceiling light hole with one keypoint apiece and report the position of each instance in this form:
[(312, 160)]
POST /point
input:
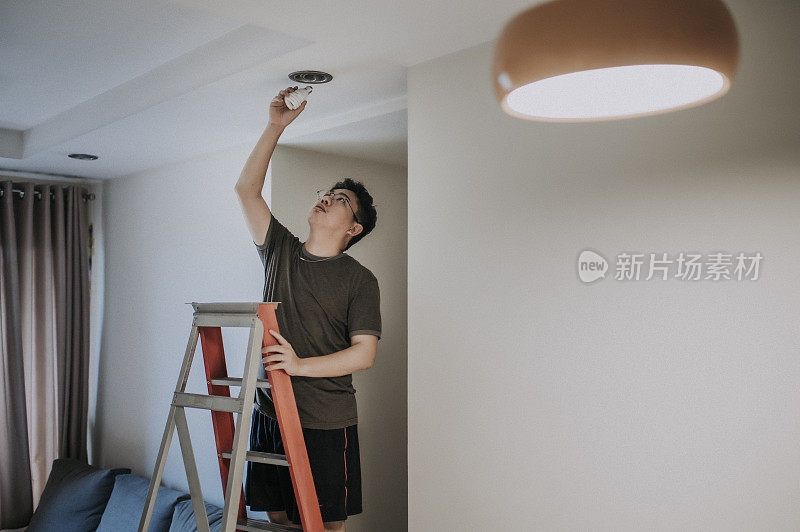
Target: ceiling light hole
[(310, 76)]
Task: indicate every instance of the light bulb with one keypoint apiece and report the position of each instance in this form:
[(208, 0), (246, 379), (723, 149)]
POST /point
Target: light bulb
[(294, 99)]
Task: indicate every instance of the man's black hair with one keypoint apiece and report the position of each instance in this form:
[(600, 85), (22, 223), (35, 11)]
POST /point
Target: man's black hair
[(365, 210)]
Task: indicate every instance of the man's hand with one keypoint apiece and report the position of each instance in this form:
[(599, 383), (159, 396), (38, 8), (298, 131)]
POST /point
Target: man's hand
[(286, 359), (279, 113)]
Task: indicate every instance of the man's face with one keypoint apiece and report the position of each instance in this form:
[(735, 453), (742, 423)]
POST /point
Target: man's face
[(334, 212)]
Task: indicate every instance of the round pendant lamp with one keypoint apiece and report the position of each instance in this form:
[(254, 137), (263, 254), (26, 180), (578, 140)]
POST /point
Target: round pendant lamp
[(590, 60)]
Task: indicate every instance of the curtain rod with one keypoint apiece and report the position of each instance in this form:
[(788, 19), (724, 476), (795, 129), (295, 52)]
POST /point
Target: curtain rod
[(38, 195), (46, 176)]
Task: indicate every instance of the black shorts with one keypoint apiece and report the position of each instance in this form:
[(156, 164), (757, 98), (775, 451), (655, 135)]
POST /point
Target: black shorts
[(335, 466)]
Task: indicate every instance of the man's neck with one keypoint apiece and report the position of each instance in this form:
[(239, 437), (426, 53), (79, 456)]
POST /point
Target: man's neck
[(321, 249)]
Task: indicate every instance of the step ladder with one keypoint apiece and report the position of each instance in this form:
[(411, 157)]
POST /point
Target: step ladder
[(232, 444)]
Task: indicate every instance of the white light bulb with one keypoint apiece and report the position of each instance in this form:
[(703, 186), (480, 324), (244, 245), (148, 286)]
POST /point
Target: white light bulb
[(294, 99)]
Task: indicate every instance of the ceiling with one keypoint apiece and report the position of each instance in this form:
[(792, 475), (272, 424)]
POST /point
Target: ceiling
[(146, 83)]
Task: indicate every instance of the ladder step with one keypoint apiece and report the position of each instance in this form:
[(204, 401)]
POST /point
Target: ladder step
[(264, 458), (235, 381), (208, 402), (224, 320), (256, 525)]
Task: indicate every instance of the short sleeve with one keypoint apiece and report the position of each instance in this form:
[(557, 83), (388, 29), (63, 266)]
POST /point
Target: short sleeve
[(364, 312), (278, 244)]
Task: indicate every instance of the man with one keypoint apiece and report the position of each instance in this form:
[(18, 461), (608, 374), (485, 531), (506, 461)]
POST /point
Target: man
[(330, 323)]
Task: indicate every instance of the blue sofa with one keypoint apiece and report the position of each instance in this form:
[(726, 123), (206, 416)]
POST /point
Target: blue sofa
[(80, 498)]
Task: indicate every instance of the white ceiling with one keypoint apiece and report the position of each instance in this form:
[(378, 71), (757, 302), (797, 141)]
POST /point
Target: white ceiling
[(146, 83)]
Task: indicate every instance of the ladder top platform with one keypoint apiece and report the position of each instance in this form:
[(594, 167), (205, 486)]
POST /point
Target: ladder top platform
[(244, 307)]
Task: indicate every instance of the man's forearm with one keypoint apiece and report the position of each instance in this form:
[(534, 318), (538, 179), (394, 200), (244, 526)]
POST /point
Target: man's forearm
[(336, 364), (251, 180)]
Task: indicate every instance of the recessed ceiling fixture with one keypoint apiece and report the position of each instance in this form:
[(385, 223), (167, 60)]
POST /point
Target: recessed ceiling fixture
[(310, 76), (83, 156), (588, 60)]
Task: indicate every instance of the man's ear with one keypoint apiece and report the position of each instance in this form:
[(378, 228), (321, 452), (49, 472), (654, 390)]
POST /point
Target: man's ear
[(355, 230)]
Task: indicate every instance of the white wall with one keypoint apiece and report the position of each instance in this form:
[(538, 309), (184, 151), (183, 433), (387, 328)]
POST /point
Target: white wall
[(537, 402), (176, 234), (173, 235)]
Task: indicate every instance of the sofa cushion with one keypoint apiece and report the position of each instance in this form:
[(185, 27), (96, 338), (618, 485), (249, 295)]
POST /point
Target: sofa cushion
[(74, 497), (183, 517), (124, 508)]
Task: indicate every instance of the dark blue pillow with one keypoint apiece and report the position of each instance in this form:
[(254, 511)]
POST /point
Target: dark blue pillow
[(74, 497), (183, 517), (124, 508)]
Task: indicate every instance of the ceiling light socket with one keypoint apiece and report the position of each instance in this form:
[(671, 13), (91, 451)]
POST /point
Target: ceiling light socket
[(310, 76)]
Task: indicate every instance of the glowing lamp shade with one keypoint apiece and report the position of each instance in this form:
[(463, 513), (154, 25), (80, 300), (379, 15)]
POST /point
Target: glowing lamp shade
[(588, 60)]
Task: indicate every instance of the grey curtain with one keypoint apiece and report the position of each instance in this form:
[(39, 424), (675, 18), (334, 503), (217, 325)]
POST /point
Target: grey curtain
[(44, 338)]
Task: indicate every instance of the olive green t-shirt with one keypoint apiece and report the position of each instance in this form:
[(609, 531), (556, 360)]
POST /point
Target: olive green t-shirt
[(321, 305)]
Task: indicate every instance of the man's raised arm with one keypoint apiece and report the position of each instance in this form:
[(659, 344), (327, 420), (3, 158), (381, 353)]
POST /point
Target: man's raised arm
[(251, 180)]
